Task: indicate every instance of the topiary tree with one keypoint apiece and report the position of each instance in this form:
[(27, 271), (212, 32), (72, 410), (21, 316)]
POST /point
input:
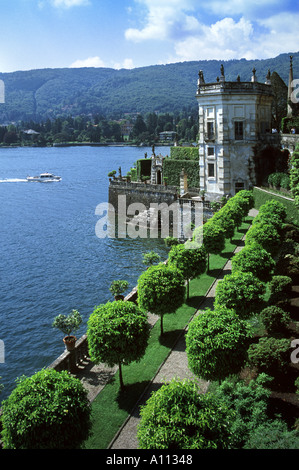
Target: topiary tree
[(275, 319), (226, 222), (117, 334), (217, 343), (265, 235), (178, 416), (246, 195), (236, 210), (212, 236), (269, 219), (49, 410), (191, 262), (273, 207), (255, 259), (161, 290), (240, 291)]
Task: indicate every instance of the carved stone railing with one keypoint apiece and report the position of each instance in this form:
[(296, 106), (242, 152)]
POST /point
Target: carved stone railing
[(70, 360)]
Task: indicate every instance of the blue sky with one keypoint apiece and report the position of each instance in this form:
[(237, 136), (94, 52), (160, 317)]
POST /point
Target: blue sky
[(136, 33)]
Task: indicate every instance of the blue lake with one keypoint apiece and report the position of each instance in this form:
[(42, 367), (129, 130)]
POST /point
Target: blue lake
[(51, 259)]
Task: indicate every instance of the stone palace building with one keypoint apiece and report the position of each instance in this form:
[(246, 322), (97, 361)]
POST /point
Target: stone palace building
[(233, 118)]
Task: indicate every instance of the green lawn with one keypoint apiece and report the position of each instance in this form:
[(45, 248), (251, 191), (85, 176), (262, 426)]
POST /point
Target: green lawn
[(111, 407)]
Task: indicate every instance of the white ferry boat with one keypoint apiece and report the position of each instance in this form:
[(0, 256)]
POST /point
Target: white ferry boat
[(44, 178)]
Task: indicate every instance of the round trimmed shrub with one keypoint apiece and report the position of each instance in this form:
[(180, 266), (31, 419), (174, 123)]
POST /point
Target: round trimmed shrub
[(117, 334), (161, 290), (225, 222), (265, 235), (191, 262), (240, 291), (49, 410), (212, 236), (274, 207), (178, 416), (217, 343), (275, 319), (255, 259), (247, 195)]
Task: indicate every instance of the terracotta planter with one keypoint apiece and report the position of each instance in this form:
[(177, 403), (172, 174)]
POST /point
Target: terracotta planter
[(70, 342)]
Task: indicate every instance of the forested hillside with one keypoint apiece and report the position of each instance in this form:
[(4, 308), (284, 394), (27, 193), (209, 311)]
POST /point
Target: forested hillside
[(49, 93)]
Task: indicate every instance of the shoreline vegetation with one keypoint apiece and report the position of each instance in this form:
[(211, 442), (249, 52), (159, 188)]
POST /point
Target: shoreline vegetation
[(87, 144)]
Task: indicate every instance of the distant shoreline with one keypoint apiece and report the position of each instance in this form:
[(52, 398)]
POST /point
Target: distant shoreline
[(88, 144)]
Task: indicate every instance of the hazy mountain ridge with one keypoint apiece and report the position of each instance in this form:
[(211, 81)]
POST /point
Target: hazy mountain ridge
[(49, 93)]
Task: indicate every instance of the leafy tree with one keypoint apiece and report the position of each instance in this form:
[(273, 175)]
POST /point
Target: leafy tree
[(139, 127), (117, 334), (49, 410), (161, 290), (255, 259), (265, 235), (248, 196), (191, 262), (178, 416), (240, 291), (217, 343), (273, 207), (269, 219), (224, 220), (212, 235)]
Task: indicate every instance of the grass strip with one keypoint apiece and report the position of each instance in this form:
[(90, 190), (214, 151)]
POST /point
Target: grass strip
[(112, 407)]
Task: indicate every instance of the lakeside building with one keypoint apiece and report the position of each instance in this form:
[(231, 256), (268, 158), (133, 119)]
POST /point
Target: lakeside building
[(233, 118)]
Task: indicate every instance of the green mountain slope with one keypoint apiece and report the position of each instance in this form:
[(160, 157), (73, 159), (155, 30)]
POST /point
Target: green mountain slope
[(49, 93)]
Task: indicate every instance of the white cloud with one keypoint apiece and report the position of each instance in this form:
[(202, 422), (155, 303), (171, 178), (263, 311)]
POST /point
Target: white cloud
[(165, 19), (237, 28), (225, 39), (90, 62)]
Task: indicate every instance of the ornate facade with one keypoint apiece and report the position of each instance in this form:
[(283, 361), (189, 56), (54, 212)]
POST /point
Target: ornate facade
[(233, 118)]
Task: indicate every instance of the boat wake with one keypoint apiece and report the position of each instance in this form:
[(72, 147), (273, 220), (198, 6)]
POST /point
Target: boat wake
[(13, 180)]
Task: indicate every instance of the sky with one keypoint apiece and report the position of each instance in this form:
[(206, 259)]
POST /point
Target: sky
[(38, 34)]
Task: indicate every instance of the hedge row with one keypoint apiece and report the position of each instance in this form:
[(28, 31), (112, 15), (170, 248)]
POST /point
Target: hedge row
[(172, 169), (262, 196), (184, 153)]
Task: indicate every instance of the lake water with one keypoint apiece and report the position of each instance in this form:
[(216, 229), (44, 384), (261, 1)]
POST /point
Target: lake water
[(51, 259)]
